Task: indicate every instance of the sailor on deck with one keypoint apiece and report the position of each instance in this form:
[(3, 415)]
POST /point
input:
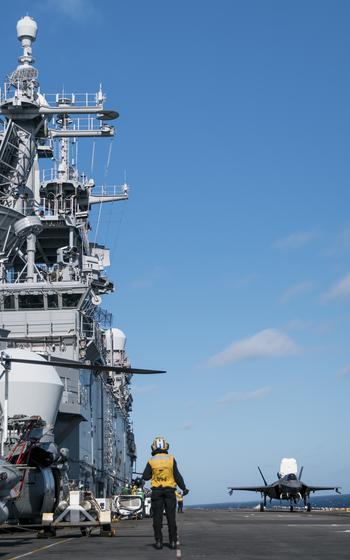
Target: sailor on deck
[(162, 470), (180, 502)]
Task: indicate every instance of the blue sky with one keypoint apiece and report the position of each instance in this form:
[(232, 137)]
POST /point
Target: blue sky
[(232, 256)]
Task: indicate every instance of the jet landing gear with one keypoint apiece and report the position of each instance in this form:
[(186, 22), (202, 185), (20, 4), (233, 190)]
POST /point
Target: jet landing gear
[(307, 504), (262, 506), (291, 507)]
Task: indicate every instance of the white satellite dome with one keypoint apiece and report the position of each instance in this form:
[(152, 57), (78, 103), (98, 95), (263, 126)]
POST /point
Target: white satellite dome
[(27, 29), (116, 340), (34, 390)]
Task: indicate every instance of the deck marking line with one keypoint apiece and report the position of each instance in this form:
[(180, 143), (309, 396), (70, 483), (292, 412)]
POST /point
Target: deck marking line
[(317, 525), (178, 549), (40, 549)]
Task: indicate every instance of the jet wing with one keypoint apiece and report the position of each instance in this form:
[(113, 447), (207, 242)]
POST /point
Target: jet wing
[(263, 489), (316, 488)]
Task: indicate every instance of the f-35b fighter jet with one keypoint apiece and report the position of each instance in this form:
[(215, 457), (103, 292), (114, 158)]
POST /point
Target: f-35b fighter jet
[(289, 486)]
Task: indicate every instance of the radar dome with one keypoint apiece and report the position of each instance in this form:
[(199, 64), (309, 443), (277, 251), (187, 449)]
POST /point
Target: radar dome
[(34, 390), (27, 29), (116, 340)]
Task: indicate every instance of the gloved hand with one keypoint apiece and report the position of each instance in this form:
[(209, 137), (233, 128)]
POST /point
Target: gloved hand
[(185, 492)]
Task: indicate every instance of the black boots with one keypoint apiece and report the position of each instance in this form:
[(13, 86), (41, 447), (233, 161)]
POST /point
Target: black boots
[(159, 545)]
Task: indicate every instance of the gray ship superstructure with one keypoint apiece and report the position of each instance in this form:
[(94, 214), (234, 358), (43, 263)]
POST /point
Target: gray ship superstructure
[(52, 277)]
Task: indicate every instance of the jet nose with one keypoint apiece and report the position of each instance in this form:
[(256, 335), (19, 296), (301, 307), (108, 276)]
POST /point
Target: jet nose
[(294, 485), (291, 487)]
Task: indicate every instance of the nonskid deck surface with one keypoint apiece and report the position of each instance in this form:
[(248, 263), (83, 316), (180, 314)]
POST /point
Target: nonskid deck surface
[(241, 535)]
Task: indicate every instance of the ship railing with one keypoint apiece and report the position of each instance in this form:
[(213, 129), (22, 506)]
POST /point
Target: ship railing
[(84, 99), (54, 206), (4, 91), (41, 275), (110, 190), (21, 276), (7, 91), (51, 174), (79, 124)]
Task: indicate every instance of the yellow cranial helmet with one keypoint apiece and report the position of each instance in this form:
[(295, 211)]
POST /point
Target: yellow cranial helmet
[(159, 444)]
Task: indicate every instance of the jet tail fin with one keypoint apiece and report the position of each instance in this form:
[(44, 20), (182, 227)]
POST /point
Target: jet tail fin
[(301, 472), (262, 476)]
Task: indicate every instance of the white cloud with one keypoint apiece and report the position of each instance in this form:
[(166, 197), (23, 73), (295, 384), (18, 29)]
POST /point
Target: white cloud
[(344, 371), (340, 290), (74, 9), (319, 328), (298, 325), (295, 291), (266, 343), (246, 280), (296, 240), (340, 244), (235, 397)]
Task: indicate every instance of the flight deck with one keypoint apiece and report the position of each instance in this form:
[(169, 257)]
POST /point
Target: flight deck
[(219, 534)]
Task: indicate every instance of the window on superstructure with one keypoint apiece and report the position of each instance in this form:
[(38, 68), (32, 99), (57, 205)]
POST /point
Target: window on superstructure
[(52, 301), (9, 302), (70, 300), (10, 274), (31, 302)]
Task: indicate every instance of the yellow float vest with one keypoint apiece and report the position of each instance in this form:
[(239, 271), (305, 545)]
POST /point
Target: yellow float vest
[(162, 471)]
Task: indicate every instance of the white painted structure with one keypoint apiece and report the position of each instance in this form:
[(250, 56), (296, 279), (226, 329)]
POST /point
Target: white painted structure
[(288, 466), (33, 390)]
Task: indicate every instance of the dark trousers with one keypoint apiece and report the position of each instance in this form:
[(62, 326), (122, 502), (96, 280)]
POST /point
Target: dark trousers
[(180, 506), (164, 499)]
